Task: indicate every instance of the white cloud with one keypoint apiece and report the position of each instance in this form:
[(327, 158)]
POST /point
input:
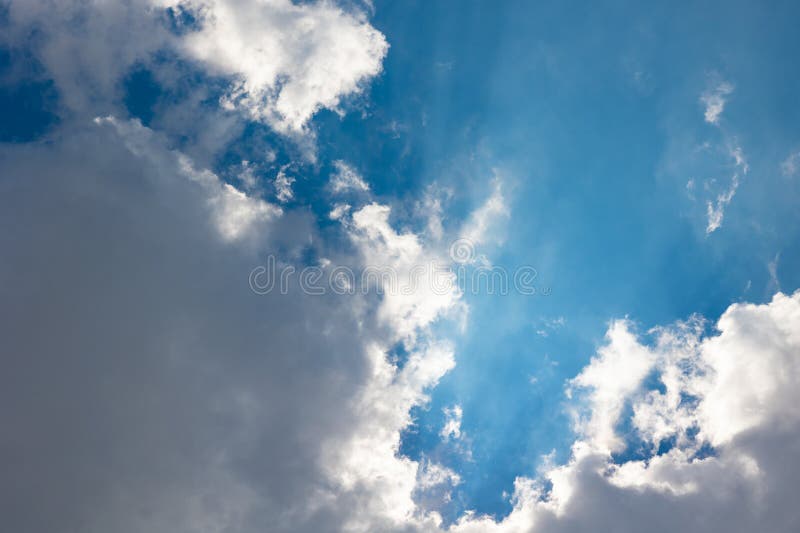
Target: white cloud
[(791, 164), (734, 391), (289, 60), (715, 210), (431, 208), (434, 485), (615, 373), (285, 61), (714, 100), (339, 211), (431, 475), (418, 287), (346, 179), (168, 352), (283, 187), (235, 214), (140, 367), (482, 225), (452, 423), (247, 176)]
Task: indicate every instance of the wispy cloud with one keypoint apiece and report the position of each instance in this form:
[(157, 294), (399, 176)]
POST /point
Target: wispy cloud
[(452, 423), (283, 187), (483, 222), (715, 210), (772, 267), (548, 325), (346, 179), (791, 164), (715, 99)]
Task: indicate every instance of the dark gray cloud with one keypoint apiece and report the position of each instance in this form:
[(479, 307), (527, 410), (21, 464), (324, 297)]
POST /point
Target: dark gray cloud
[(144, 386)]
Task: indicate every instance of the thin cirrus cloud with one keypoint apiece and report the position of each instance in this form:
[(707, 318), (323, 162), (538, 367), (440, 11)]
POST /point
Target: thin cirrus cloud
[(715, 209), (715, 99)]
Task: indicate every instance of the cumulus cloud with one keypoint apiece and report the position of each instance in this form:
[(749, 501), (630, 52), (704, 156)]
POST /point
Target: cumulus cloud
[(616, 371), (284, 61), (179, 400), (147, 388), (235, 214), (432, 475), (718, 427), (289, 60), (176, 398), (434, 486), (157, 388)]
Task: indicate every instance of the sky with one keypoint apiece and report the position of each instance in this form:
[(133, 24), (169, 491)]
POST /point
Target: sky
[(359, 266)]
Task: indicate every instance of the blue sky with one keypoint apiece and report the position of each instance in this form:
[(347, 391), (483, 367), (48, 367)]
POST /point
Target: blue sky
[(647, 160), (594, 113)]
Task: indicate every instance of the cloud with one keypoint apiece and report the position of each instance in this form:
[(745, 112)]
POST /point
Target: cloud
[(339, 211), (283, 187), (235, 214), (547, 325), (284, 61), (86, 47), (247, 176), (431, 208), (715, 210), (176, 398), (147, 388), (179, 400), (712, 170), (482, 223), (432, 474), (714, 100), (772, 268), (346, 179), (730, 393), (616, 372), (791, 164), (416, 284), (434, 485), (160, 387), (289, 60), (452, 423)]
